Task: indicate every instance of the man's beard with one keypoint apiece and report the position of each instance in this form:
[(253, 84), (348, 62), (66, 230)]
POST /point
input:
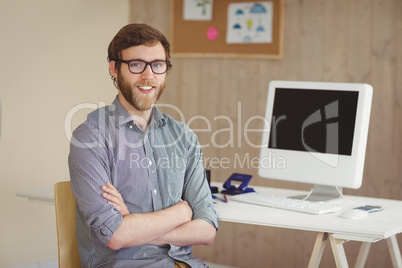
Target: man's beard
[(141, 102)]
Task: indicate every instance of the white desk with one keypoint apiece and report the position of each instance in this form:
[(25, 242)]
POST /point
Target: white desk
[(377, 226), (39, 194)]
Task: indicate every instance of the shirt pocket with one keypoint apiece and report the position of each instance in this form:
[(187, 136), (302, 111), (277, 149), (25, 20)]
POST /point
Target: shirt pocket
[(175, 183)]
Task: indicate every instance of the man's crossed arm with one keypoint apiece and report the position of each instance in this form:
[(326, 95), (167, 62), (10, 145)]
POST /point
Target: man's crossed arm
[(169, 226)]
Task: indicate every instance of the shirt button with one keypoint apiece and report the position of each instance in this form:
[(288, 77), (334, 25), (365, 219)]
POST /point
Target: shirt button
[(154, 191), (150, 162), (130, 126)]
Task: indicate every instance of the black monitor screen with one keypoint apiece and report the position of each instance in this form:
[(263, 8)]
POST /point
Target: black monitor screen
[(320, 121)]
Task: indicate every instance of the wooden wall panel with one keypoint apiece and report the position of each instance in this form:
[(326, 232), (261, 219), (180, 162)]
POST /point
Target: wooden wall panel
[(325, 40), (312, 41), (335, 36), (383, 69)]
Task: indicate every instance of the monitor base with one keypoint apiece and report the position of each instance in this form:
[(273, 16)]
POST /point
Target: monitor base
[(321, 193)]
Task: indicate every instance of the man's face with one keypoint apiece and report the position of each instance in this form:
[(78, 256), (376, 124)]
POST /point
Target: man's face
[(141, 91)]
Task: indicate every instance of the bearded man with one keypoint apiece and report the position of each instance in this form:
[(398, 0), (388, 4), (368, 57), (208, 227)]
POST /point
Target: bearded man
[(135, 208)]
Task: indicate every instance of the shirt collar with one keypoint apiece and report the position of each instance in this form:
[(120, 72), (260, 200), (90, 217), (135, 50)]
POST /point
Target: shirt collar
[(123, 117)]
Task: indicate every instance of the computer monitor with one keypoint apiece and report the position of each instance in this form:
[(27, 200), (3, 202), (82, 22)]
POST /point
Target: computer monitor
[(316, 133)]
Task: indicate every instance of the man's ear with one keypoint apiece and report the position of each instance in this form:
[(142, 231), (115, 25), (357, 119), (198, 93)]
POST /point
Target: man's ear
[(112, 68)]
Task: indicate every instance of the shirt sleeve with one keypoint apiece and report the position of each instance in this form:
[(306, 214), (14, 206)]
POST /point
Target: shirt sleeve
[(89, 170), (196, 189)]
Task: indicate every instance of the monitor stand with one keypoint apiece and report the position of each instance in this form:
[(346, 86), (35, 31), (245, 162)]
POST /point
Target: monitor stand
[(321, 193)]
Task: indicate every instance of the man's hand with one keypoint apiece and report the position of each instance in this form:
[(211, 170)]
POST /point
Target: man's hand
[(185, 210), (114, 197)]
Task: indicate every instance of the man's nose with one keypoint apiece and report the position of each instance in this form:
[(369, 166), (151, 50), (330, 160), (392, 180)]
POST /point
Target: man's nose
[(147, 72)]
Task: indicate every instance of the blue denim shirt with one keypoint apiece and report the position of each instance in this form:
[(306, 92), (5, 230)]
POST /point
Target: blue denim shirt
[(152, 171)]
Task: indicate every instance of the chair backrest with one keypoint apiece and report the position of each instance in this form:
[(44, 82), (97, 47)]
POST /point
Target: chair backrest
[(65, 222)]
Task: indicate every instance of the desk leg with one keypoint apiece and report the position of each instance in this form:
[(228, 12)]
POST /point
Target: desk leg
[(394, 251), (363, 253), (339, 252), (318, 249)]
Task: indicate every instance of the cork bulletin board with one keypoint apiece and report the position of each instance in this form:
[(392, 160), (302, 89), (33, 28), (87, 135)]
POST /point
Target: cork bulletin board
[(208, 38)]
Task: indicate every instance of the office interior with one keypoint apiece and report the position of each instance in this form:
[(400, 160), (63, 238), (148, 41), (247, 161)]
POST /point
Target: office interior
[(54, 71)]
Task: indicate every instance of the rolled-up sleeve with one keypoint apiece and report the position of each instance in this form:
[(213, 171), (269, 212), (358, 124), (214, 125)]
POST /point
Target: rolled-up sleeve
[(89, 170), (196, 189)]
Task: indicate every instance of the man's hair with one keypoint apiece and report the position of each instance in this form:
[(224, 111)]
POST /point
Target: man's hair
[(136, 34)]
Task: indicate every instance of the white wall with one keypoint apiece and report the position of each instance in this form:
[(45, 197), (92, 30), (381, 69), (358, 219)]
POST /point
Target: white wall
[(53, 57)]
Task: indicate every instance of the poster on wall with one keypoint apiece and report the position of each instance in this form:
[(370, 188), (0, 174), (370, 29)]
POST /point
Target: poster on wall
[(197, 10), (249, 23)]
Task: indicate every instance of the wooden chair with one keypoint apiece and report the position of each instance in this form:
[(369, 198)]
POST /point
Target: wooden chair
[(65, 222)]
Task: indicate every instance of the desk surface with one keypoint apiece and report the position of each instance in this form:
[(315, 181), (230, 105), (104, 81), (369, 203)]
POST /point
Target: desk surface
[(39, 194), (376, 226)]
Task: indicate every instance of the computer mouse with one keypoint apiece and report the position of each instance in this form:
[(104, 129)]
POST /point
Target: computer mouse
[(354, 214)]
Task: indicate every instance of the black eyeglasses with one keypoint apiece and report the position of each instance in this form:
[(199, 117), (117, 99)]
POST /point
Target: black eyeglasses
[(139, 66)]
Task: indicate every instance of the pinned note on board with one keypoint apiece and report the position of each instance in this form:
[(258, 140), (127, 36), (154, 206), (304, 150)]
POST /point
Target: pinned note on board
[(197, 9), (249, 23)]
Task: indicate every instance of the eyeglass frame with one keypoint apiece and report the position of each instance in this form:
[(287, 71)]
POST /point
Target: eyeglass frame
[(168, 65)]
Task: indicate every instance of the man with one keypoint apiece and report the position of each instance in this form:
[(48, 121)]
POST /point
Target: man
[(137, 175)]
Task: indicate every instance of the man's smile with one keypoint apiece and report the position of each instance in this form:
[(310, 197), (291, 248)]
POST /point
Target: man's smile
[(145, 89)]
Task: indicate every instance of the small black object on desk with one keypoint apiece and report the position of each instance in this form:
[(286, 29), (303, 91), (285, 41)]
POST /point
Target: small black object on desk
[(214, 189)]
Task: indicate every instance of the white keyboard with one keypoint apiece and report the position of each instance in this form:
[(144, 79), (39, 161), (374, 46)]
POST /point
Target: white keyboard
[(286, 203)]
